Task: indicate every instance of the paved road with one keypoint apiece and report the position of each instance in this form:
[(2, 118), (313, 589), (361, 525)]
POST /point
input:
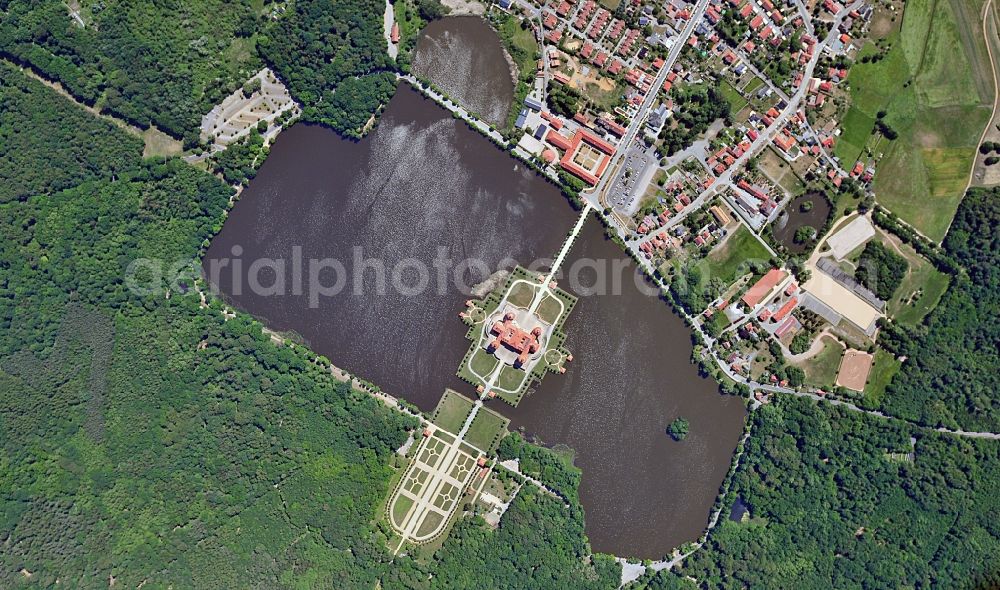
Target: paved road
[(596, 195), (726, 179)]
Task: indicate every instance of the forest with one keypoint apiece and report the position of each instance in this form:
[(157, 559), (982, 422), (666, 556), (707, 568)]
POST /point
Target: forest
[(148, 439), (952, 373), (67, 148), (840, 499), (159, 63), (332, 57)]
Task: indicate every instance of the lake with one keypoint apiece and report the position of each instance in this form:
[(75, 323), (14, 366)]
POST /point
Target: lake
[(479, 79), (392, 210)]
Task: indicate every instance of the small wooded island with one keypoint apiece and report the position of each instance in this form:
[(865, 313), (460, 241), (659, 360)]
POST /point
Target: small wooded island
[(678, 429)]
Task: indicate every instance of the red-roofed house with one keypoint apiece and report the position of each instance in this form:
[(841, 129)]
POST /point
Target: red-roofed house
[(763, 287), (785, 309)]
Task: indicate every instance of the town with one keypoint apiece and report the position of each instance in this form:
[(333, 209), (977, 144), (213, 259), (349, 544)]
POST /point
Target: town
[(706, 137)]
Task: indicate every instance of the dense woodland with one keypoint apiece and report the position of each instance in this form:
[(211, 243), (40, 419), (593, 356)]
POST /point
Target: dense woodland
[(144, 437), (840, 499), (163, 63), (332, 56), (67, 148), (952, 373)]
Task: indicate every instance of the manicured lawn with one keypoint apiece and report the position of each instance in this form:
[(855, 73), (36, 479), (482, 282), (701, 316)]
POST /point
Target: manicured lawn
[(883, 368), (483, 362), (521, 294), (452, 410), (548, 309), (719, 322), (724, 262), (486, 430), (400, 508), (510, 378)]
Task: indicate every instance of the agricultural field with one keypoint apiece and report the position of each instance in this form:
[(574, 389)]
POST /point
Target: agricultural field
[(933, 71)]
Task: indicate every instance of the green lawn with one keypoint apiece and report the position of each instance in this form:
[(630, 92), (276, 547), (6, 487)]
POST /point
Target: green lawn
[(510, 378), (857, 128), (821, 370), (483, 362), (883, 368), (736, 101), (924, 80), (487, 429), (752, 86), (452, 410), (724, 262), (548, 310), (521, 294)]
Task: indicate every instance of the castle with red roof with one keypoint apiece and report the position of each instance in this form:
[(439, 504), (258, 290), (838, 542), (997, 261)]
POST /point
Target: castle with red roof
[(507, 333)]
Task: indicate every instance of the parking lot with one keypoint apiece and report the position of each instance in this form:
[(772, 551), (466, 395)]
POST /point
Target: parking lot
[(627, 188)]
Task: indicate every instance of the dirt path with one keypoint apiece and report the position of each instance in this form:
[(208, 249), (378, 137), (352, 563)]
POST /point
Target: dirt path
[(164, 143), (816, 346), (989, 17)]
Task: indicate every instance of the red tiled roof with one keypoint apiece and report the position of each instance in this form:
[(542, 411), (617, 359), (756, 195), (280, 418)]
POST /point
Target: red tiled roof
[(558, 140), (785, 309), (762, 287)]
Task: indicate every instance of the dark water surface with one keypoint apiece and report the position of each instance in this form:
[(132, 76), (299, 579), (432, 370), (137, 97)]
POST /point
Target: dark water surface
[(644, 493), (793, 217), (463, 56), (420, 182)]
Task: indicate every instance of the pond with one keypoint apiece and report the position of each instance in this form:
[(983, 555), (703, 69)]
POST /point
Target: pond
[(464, 58), (810, 209)]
